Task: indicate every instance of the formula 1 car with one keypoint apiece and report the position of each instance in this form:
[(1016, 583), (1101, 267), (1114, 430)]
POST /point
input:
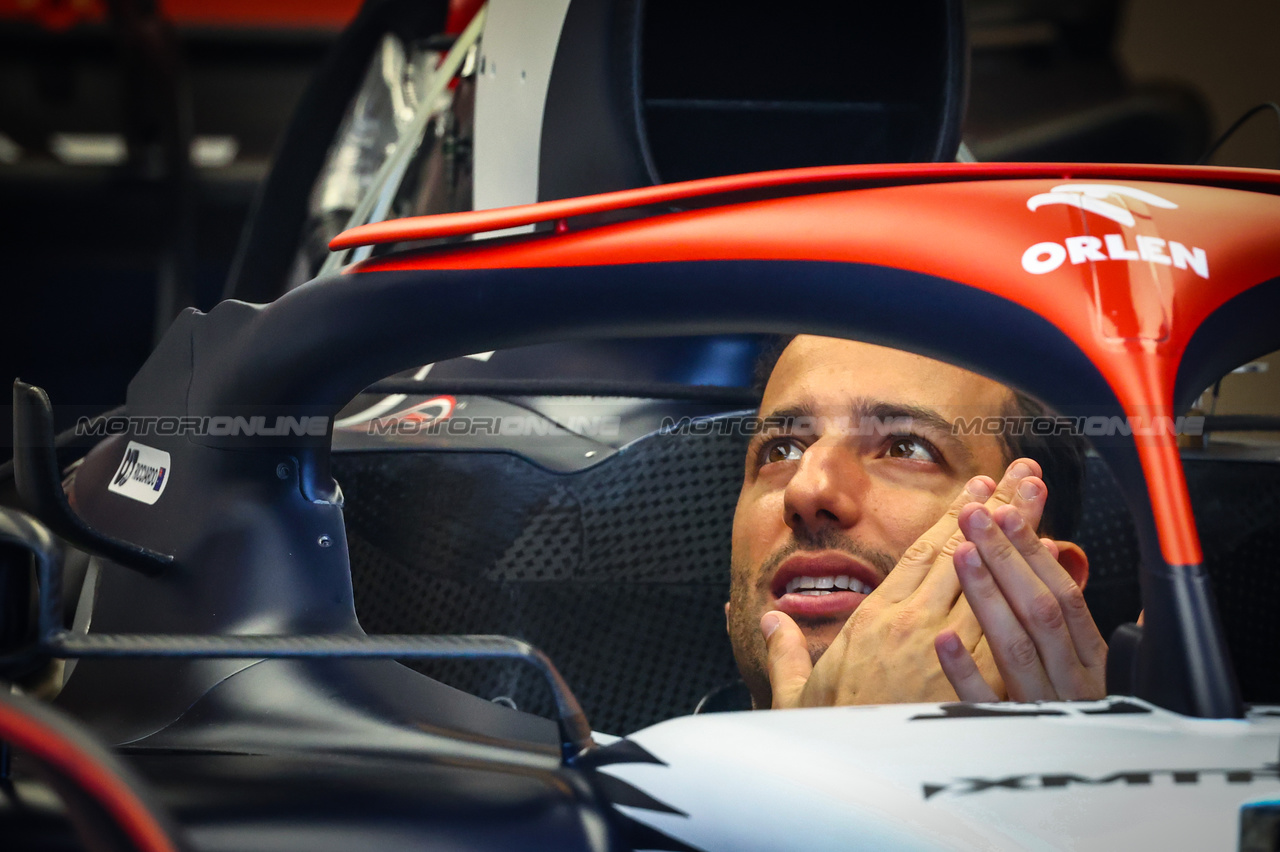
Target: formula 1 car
[(268, 517)]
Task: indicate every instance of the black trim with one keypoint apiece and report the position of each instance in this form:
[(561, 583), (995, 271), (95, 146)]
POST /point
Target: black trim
[(1228, 337), (1122, 659), (1119, 708), (1242, 423), (622, 751), (619, 792), (974, 711), (1183, 661)]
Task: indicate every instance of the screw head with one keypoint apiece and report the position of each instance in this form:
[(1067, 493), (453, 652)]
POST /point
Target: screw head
[(324, 541), (283, 471)]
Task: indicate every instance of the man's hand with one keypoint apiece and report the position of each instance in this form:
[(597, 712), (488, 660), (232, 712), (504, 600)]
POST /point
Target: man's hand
[(886, 653), (1032, 612)]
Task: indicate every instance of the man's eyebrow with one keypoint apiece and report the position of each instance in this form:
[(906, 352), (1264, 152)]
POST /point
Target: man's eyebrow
[(791, 412), (921, 415), (866, 408), (862, 409), (926, 417)]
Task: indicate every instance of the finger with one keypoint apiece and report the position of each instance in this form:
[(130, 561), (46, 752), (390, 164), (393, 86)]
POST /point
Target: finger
[(1016, 654), (1042, 558), (942, 537), (1014, 474), (1090, 645), (940, 588), (961, 669), (788, 658), (990, 671), (963, 622), (1029, 499), (1010, 549)]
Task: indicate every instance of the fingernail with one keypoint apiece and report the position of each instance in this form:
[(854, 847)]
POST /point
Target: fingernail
[(980, 519), (1020, 470), (978, 488), (1028, 490), (768, 624), (950, 644), (1011, 522), (970, 559)]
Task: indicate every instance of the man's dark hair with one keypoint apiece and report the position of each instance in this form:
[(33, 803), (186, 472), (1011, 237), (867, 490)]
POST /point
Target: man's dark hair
[(1061, 457)]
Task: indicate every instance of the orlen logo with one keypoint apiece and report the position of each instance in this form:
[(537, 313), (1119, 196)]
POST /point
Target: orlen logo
[(142, 474), (1093, 197)]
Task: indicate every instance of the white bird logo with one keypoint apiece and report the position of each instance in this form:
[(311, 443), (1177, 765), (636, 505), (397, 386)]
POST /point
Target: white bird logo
[(1092, 197)]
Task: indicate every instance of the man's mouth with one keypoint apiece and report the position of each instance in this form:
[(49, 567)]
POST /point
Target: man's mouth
[(818, 586), (823, 585)]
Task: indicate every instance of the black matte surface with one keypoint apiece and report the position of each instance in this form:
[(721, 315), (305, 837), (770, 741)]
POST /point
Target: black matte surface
[(731, 87), (282, 801)]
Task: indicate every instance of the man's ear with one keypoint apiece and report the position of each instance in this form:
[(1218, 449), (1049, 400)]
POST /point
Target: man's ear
[(1072, 557), (726, 619)]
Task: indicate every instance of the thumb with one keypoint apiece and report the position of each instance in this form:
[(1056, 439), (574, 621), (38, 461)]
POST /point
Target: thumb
[(789, 664)]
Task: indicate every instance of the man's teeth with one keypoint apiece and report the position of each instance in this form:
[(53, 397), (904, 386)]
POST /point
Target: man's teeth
[(826, 585)]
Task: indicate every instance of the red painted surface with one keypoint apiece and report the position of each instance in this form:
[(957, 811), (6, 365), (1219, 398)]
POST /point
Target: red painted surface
[(460, 14), (232, 14), (479, 221), (44, 742), (1132, 317)]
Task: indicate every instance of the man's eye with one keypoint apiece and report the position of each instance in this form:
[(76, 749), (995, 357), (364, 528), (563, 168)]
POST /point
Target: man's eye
[(915, 449), (781, 450)]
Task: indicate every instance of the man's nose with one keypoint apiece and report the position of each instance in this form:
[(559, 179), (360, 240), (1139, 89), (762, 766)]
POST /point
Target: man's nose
[(826, 490)]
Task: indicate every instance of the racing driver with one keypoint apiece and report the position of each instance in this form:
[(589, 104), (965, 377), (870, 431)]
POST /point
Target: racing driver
[(881, 554)]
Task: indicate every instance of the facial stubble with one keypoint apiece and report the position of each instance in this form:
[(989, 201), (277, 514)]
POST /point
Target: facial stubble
[(748, 587)]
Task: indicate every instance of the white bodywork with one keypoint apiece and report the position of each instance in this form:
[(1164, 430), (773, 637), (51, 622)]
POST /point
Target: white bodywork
[(1116, 774), (517, 52)]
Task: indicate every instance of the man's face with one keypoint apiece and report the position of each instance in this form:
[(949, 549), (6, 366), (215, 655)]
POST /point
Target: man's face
[(829, 504)]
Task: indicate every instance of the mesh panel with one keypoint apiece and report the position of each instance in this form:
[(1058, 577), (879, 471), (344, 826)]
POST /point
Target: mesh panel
[(619, 572), (1107, 535), (1237, 507)]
